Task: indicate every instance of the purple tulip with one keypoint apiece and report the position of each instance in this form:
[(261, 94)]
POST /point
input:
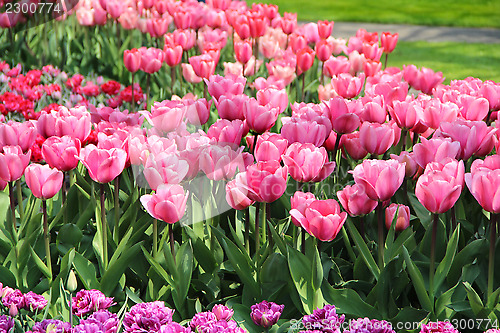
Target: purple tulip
[(147, 317), (266, 314), (365, 325), (438, 327), (88, 301), (56, 326), (34, 302), (325, 320), (6, 323)]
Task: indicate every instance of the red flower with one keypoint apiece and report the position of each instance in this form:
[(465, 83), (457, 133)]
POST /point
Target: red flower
[(111, 87)]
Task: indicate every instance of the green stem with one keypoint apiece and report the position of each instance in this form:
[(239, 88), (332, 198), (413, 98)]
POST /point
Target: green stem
[(12, 207), (348, 246), (303, 91), (385, 63), (71, 309), (133, 99), (155, 237), (264, 221), (148, 82), (303, 243), (117, 204), (20, 199), (433, 254), (46, 236), (247, 230), (171, 235), (381, 244), (172, 76), (104, 228), (71, 178), (491, 263), (257, 226)]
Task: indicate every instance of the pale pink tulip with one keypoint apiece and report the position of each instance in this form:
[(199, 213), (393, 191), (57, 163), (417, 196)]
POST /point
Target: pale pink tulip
[(402, 218), (103, 165), (355, 201), (61, 152), (43, 181), (167, 204)]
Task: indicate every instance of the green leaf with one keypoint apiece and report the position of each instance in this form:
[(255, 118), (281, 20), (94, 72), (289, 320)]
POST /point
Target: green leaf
[(202, 253), (363, 249), (115, 271), (317, 270), (418, 282), (422, 213), (466, 255), (444, 267), (157, 267), (4, 207), (43, 268), (474, 300), (349, 302), (184, 260), (443, 301), (7, 278), (241, 262), (86, 271)]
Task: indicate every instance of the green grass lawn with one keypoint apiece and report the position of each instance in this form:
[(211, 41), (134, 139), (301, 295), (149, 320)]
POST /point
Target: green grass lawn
[(455, 60), (467, 13)]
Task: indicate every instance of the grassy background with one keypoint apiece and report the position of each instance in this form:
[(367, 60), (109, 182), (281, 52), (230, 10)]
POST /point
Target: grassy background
[(467, 13), (455, 60)]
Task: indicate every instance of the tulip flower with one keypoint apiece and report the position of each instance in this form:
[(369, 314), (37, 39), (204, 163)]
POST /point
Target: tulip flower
[(237, 192), (305, 60), (173, 55), (75, 122), (17, 134), (61, 152), (167, 204), (103, 165), (221, 162), (43, 181), (408, 159), (376, 138), (402, 218), (231, 107), (355, 201), (388, 41), (273, 98), (266, 181), (243, 51), (265, 314), (228, 85), (348, 86), (435, 150), (228, 132), (325, 29), (203, 65), (164, 168), (307, 163), (300, 201), (13, 163), (165, 116), (270, 147), (351, 145), (198, 111), (259, 118), (303, 131), (132, 60), (334, 66)]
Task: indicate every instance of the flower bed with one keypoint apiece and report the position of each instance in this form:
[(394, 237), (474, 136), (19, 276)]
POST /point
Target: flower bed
[(272, 172)]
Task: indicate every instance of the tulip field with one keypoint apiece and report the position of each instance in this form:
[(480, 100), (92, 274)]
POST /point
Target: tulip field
[(179, 166)]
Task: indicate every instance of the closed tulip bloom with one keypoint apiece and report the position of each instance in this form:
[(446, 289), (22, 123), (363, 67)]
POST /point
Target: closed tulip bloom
[(221, 162), (424, 80), (372, 51), (322, 219), (198, 111), (355, 201), (228, 132), (132, 60), (273, 98), (376, 138), (265, 314), (348, 86), (334, 66), (324, 50), (43, 181), (407, 114), (408, 159), (75, 122), (189, 74), (151, 59), (402, 219), (484, 185), (237, 192), (307, 163), (435, 150), (305, 59), (18, 134), (343, 121), (473, 108), (351, 144), (164, 168), (167, 204), (225, 85), (13, 163), (103, 165), (475, 137), (257, 23), (230, 107), (266, 181), (437, 112), (300, 201), (325, 29), (270, 147), (165, 116), (388, 41), (242, 26), (373, 110), (380, 178), (243, 51), (259, 118), (304, 131), (438, 189), (173, 55), (61, 152), (203, 65)]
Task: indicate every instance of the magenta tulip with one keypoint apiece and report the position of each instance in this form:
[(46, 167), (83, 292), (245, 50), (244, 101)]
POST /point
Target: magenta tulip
[(266, 181), (237, 192), (61, 152), (307, 163), (300, 201), (132, 60), (13, 162), (43, 181), (167, 204), (343, 121), (402, 219), (355, 201), (18, 134)]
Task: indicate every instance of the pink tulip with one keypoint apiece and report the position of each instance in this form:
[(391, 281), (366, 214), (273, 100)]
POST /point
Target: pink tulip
[(115, 8), (491, 92), (324, 50), (424, 80), (325, 29), (380, 178), (259, 118), (242, 27), (371, 67), (203, 65), (402, 219), (473, 108), (409, 160), (304, 131), (61, 152), (388, 41), (164, 168), (228, 132), (484, 185), (3, 184), (300, 201), (343, 121), (273, 98), (74, 122), (439, 188), (243, 51), (372, 51), (225, 85), (103, 165), (407, 114), (231, 107), (489, 163), (322, 219), (18, 134), (221, 162), (355, 201), (182, 18), (184, 38), (297, 42), (289, 22), (373, 109), (307, 163), (167, 204), (257, 23), (270, 147), (266, 181), (189, 74), (435, 150), (334, 66), (151, 59), (43, 181), (348, 86), (173, 55), (166, 116), (351, 144), (376, 138), (198, 111), (475, 137), (13, 162), (237, 192), (305, 60)]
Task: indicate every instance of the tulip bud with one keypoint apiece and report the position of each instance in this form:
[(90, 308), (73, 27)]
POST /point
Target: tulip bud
[(71, 283)]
